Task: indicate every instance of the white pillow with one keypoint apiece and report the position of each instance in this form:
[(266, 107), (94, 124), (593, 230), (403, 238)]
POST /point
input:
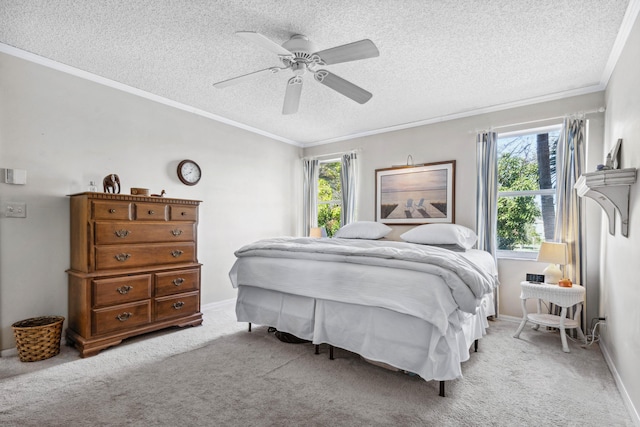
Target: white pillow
[(363, 230), (441, 234)]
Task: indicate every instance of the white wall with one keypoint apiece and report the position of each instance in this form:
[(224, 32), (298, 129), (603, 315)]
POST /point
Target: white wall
[(620, 267), (66, 131), (455, 140)]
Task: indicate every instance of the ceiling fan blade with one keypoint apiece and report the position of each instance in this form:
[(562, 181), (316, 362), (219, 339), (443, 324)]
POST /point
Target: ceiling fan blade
[(292, 95), (264, 42), (362, 49), (342, 86), (234, 80)]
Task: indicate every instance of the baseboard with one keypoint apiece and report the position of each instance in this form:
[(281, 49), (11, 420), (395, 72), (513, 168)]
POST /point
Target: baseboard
[(10, 352), (621, 388), (511, 319), (217, 305)]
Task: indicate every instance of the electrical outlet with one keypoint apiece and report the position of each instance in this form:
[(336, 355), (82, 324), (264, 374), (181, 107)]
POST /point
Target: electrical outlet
[(603, 321), (15, 210)]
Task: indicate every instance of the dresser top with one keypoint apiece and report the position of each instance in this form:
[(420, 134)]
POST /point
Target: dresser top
[(134, 198)]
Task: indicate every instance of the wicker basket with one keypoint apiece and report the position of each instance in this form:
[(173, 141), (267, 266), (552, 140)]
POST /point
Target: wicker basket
[(38, 338)]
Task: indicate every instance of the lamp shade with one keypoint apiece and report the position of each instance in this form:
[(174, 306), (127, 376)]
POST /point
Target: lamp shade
[(553, 253)]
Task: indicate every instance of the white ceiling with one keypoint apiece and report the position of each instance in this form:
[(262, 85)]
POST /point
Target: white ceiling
[(438, 59)]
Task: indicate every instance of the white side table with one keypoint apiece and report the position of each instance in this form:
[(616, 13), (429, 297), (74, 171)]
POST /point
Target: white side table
[(563, 297)]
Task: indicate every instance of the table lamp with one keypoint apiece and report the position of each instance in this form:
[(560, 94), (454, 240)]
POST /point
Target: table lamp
[(317, 232), (554, 254)]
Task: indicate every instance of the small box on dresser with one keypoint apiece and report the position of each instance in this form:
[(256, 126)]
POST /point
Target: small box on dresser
[(134, 268)]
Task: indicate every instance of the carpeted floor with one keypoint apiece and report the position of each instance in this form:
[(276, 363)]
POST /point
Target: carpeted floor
[(219, 374)]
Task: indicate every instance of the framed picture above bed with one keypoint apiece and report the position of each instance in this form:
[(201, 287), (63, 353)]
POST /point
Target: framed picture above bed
[(416, 194)]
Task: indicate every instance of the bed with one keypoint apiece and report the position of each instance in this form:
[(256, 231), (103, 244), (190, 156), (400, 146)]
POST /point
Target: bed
[(411, 305)]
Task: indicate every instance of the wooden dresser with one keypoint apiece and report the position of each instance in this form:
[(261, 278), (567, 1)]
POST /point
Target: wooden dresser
[(134, 268)]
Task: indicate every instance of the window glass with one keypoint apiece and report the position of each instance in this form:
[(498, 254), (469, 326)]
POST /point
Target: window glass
[(329, 196), (526, 190)]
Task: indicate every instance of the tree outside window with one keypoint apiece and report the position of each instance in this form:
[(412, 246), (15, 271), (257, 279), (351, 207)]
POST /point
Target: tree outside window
[(526, 190), (329, 196)]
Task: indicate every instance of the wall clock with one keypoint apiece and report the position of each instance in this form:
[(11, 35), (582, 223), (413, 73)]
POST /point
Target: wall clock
[(189, 172)]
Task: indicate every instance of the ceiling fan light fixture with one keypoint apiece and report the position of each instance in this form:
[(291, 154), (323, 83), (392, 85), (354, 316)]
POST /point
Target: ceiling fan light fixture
[(299, 68)]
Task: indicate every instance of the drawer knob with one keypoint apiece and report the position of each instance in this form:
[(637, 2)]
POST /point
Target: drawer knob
[(124, 289), (112, 210), (177, 253), (176, 232), (179, 281), (183, 213), (151, 212), (122, 233), (178, 305), (123, 317), (123, 257)]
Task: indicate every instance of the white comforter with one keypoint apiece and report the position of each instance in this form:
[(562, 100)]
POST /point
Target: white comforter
[(423, 281)]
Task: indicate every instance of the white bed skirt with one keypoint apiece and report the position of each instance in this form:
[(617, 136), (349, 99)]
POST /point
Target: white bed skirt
[(377, 334)]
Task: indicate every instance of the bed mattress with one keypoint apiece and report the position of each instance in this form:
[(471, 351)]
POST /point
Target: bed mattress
[(413, 307)]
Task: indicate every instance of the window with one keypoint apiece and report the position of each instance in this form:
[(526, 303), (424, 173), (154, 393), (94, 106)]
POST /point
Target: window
[(329, 195), (526, 190)]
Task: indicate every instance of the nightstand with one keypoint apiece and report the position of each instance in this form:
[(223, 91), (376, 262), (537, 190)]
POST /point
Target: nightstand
[(562, 297)]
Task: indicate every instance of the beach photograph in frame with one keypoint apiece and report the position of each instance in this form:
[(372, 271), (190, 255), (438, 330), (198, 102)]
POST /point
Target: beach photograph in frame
[(410, 195)]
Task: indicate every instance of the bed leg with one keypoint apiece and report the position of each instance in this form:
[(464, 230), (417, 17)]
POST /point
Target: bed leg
[(442, 389), (475, 346), (330, 352), (249, 326), (317, 349)]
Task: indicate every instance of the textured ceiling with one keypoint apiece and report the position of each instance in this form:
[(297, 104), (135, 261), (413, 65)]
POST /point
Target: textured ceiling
[(438, 59)]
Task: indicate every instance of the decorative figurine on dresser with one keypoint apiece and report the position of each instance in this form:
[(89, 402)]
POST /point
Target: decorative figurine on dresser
[(134, 268), (111, 184)]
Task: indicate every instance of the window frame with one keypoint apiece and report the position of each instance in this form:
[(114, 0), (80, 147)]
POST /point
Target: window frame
[(524, 255)]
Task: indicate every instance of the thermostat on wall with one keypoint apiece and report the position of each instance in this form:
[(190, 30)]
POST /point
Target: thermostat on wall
[(15, 176)]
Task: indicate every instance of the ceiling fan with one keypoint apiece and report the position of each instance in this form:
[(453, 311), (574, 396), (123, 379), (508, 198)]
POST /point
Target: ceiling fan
[(299, 55)]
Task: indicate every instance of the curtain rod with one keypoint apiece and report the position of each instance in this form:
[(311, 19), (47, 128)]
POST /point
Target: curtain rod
[(581, 113), (318, 156)]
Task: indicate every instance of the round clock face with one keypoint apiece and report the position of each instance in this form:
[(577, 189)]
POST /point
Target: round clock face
[(189, 172)]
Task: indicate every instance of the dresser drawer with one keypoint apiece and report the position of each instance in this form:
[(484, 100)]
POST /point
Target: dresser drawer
[(111, 210), (109, 233), (128, 256), (183, 213), (120, 317), (120, 290), (151, 212), (176, 306), (173, 282)]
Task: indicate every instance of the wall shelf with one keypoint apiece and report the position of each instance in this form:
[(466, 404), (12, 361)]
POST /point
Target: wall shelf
[(610, 189)]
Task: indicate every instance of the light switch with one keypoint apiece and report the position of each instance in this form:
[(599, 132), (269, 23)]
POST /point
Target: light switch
[(15, 210)]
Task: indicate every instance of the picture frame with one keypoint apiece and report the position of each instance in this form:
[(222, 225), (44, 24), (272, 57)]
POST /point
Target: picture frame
[(411, 195)]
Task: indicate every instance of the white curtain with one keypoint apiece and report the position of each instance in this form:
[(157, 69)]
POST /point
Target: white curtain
[(310, 196), (570, 163), (487, 191), (348, 178), (487, 197)]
